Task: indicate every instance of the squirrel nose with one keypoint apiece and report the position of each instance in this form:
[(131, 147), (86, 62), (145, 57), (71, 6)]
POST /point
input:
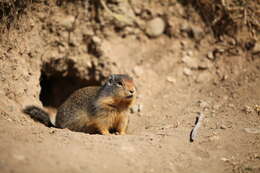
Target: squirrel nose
[(132, 91)]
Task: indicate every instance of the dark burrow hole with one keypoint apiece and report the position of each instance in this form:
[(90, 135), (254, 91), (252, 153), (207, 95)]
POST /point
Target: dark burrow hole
[(57, 86)]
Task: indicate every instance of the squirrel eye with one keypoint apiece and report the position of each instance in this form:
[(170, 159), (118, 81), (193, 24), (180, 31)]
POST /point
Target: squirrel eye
[(120, 84)]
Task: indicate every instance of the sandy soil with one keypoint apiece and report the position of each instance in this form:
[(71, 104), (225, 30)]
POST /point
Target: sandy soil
[(59, 49)]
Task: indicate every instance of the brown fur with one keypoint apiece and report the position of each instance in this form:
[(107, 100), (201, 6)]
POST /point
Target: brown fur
[(98, 109)]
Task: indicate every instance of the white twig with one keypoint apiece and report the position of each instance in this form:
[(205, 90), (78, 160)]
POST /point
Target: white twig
[(194, 131)]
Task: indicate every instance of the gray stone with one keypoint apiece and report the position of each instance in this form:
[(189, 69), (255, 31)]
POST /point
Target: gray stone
[(155, 27)]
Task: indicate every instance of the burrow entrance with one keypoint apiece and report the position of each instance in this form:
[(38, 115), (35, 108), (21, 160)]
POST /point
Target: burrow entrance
[(60, 78)]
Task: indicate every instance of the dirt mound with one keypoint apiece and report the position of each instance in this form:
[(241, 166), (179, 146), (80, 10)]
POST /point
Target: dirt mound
[(185, 56)]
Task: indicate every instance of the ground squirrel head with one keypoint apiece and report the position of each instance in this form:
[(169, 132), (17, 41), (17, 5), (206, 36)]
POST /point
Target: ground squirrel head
[(118, 92)]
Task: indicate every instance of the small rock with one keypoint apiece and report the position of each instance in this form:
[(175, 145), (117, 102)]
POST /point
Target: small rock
[(155, 27), (256, 48), (223, 127), (252, 130), (190, 62), (96, 40), (210, 55), (224, 159), (171, 79), (187, 71), (136, 108)]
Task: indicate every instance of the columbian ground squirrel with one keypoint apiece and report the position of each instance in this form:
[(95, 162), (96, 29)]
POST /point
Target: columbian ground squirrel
[(93, 109)]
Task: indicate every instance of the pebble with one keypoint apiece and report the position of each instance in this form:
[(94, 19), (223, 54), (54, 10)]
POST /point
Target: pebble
[(256, 48), (171, 79), (190, 62), (96, 40), (210, 55), (136, 108), (187, 71), (224, 159), (223, 127), (155, 27)]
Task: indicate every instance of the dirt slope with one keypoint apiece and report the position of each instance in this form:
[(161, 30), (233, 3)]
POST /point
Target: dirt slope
[(55, 47)]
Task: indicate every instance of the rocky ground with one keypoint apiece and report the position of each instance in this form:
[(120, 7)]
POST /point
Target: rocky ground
[(182, 64)]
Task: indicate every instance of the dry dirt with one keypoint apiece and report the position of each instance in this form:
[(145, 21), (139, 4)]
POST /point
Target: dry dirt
[(55, 47)]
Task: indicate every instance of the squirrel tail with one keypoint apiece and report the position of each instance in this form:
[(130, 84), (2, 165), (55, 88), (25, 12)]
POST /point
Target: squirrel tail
[(39, 115)]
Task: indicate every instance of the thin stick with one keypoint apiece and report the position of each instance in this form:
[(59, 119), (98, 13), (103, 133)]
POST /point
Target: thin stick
[(194, 131)]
